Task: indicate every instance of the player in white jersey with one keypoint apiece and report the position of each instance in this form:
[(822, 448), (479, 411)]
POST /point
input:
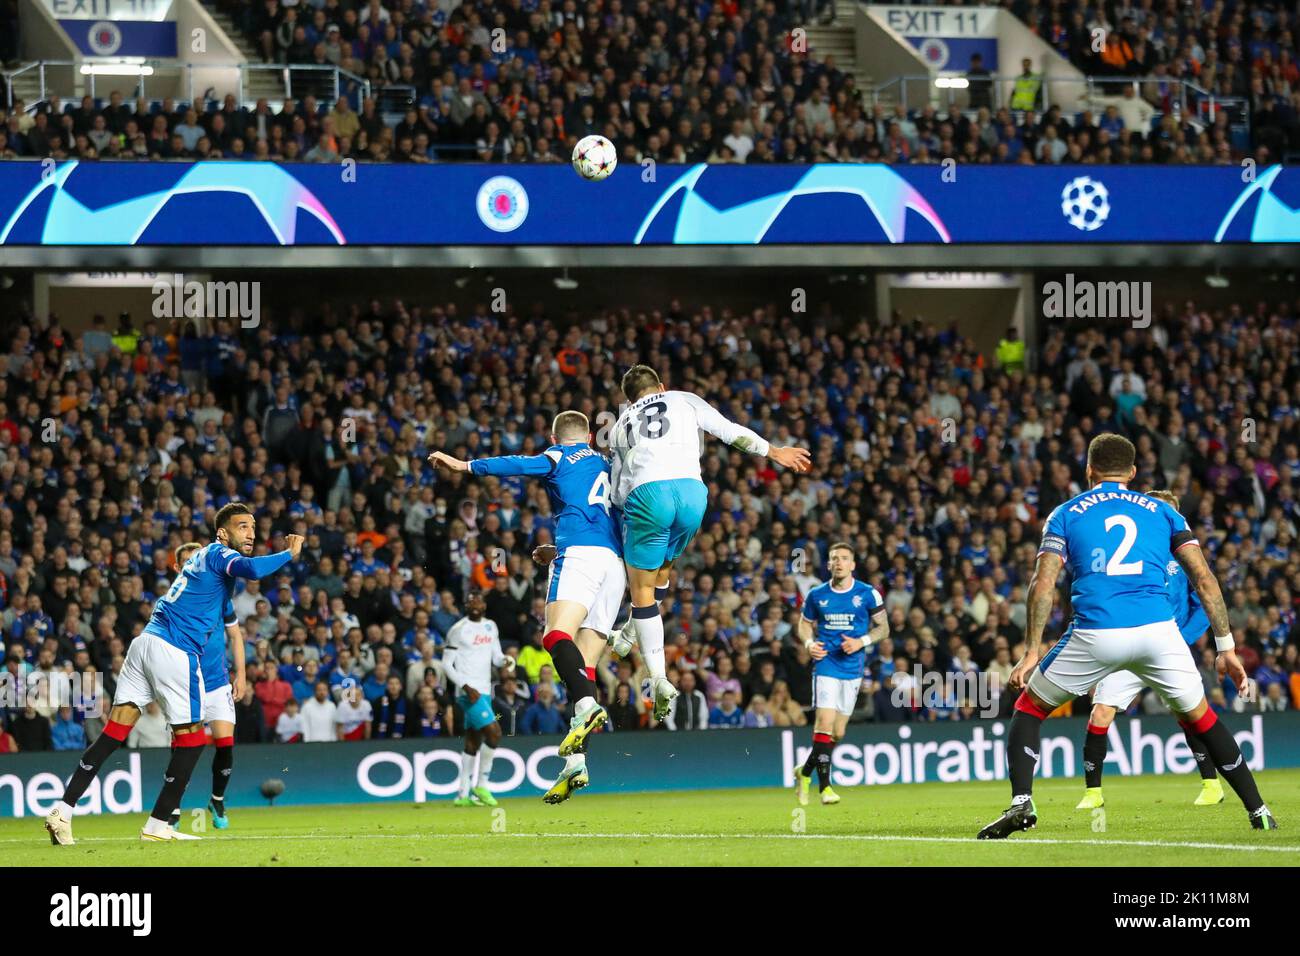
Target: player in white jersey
[(656, 480), (472, 653)]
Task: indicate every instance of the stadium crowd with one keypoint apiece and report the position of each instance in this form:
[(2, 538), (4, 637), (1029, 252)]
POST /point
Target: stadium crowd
[(1244, 50), (936, 463), (515, 81)]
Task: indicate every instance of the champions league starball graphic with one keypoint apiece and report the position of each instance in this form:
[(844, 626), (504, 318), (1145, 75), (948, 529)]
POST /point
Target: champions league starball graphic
[(274, 193), (879, 191), (1274, 219)]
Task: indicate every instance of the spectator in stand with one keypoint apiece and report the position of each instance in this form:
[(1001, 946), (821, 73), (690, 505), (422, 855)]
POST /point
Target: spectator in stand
[(272, 691), (727, 715), (151, 730), (623, 712), (354, 715), (250, 722), (509, 705), (690, 711), (289, 725), (8, 743), (757, 714), (542, 716), (30, 730), (391, 711), (67, 734), (317, 716), (785, 712)]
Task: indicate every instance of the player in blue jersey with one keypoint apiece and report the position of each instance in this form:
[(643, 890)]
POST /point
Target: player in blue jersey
[(219, 696), (1117, 544), (163, 665), (840, 620), (1119, 689), (586, 581)]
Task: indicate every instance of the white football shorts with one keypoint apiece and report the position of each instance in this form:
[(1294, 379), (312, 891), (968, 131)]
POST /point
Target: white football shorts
[(1155, 655), (836, 693), (155, 670), (593, 577)]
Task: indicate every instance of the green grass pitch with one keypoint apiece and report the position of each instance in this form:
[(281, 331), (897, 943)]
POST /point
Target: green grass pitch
[(1148, 821)]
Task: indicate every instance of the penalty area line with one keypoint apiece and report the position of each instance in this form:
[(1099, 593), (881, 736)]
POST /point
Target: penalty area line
[(842, 837)]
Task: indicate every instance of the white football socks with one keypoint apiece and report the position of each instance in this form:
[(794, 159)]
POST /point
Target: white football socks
[(485, 756), (466, 771), (650, 637)]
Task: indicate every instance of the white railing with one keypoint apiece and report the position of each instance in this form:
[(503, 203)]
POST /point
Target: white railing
[(1182, 98), (295, 80)]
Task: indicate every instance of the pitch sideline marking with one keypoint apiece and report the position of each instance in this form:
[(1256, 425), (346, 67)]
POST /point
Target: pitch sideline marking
[(859, 837)]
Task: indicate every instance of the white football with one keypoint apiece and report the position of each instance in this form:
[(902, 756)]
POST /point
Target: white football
[(594, 158)]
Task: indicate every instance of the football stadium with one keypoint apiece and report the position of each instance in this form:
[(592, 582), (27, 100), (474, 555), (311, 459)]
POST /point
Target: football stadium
[(754, 433)]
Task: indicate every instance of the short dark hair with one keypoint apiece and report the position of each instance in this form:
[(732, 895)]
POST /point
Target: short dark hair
[(1111, 454), (638, 380), (229, 511)]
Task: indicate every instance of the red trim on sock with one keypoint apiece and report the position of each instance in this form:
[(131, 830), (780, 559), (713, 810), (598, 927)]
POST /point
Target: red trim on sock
[(823, 739), (1025, 704), (1208, 720), (196, 738), (554, 637), (591, 673), (224, 741), (1094, 729), (118, 732)]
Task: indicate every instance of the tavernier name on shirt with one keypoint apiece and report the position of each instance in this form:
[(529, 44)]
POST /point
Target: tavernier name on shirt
[(1131, 497)]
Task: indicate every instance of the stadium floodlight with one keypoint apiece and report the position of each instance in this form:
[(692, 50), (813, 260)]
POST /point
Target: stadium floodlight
[(564, 282), (116, 69), (952, 82), (1217, 280)]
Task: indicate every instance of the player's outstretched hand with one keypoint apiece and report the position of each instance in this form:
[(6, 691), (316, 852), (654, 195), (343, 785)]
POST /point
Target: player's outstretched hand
[(294, 543), (796, 459), (440, 459), (817, 650), (471, 695), (509, 665), (544, 554)]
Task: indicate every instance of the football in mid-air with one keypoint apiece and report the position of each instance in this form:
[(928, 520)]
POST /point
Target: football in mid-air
[(594, 158)]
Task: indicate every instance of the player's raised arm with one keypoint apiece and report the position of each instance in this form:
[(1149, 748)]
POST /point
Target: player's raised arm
[(502, 465), (238, 566), (746, 439)]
